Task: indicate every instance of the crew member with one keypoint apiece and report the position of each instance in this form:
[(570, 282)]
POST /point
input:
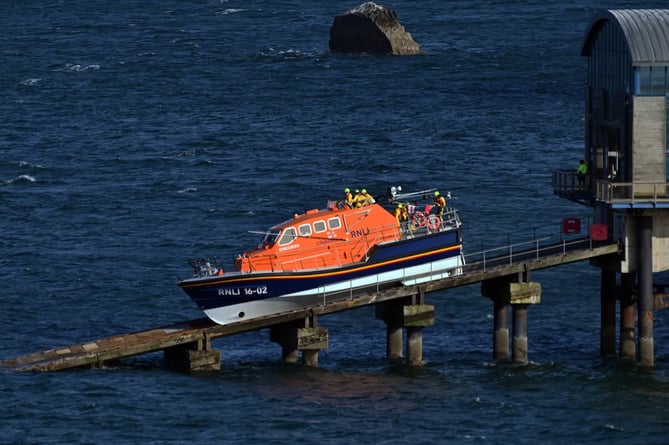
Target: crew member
[(348, 198), (581, 172), (440, 202), (401, 213), (358, 199), (367, 199)]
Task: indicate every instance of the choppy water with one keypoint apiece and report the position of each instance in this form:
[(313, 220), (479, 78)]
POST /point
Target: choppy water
[(138, 134)]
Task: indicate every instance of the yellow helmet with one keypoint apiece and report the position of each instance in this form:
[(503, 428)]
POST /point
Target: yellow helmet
[(436, 193), (364, 190), (346, 190), (399, 206), (357, 190)]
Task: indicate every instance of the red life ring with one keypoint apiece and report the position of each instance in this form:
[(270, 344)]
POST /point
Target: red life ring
[(419, 219), (433, 222)]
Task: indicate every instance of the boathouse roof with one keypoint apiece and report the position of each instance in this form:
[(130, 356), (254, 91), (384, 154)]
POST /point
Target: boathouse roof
[(646, 33)]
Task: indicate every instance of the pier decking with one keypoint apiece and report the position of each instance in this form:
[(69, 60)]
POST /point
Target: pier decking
[(188, 344)]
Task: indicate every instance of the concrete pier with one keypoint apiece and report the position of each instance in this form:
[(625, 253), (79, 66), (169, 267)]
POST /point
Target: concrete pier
[(187, 344)]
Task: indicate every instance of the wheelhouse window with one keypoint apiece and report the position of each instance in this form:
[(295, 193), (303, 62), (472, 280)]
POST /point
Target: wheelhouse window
[(305, 230), (334, 223), (289, 235), (269, 238), (319, 226)]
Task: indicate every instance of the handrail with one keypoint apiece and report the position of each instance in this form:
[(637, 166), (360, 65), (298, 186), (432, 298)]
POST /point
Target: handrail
[(482, 259), (639, 191), (611, 191)]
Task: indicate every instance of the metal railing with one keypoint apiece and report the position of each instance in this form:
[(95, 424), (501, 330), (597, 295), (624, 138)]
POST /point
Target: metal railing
[(632, 192), (566, 183), (533, 249)]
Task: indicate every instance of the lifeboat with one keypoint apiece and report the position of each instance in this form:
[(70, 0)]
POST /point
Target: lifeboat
[(330, 254)]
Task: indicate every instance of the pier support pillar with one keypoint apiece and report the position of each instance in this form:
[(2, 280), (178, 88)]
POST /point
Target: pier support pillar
[(303, 336), (627, 318), (416, 317), (193, 357), (500, 340), (520, 354), (415, 346), (285, 335), (392, 314), (645, 298), (503, 292), (607, 334)]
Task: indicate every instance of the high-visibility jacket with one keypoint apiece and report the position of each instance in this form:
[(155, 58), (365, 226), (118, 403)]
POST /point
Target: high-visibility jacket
[(358, 200), (348, 199), (440, 202), (368, 199)]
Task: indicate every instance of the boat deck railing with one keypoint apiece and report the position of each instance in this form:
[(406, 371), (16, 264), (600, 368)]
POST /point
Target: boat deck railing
[(430, 223)]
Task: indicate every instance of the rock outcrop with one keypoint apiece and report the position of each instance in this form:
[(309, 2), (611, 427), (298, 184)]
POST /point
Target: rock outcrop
[(372, 29)]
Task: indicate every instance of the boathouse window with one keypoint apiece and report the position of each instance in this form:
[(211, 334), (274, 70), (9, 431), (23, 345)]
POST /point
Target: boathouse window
[(289, 235), (305, 230), (334, 223), (319, 226), (650, 81)]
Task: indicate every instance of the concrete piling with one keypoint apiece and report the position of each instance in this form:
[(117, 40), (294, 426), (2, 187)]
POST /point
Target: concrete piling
[(627, 318), (504, 292), (392, 314), (607, 338), (197, 356), (500, 340), (645, 298), (520, 354), (302, 336), (411, 314), (416, 317)]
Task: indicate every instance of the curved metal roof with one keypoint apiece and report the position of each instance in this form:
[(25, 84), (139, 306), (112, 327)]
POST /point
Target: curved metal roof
[(646, 32)]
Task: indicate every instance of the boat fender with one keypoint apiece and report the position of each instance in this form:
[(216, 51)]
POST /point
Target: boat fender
[(419, 219), (433, 222)]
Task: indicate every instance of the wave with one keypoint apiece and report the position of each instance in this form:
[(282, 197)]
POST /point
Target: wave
[(30, 82), (75, 67), (230, 11), (20, 178)]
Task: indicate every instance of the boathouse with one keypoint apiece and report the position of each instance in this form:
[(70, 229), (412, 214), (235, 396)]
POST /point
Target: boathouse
[(627, 155)]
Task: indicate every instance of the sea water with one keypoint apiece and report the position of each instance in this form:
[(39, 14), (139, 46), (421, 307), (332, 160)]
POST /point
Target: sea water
[(137, 135)]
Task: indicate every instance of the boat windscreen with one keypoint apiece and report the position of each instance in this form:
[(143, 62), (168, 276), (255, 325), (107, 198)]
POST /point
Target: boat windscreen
[(269, 238)]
